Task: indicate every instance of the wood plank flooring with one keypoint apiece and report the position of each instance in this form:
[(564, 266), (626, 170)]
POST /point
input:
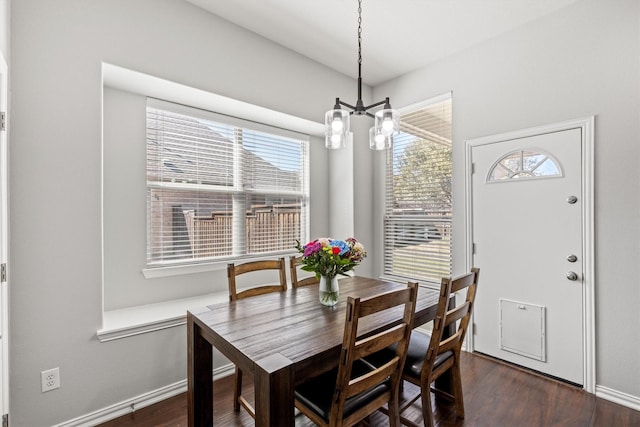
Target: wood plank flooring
[(495, 395)]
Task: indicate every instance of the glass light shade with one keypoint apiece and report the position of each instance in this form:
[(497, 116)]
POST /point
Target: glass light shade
[(387, 122), (334, 141), (336, 128), (378, 141)]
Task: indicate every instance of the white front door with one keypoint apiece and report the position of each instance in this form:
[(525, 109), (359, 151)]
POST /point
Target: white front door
[(527, 232)]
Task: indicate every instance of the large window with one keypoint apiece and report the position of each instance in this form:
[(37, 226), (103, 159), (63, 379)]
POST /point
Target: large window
[(221, 188), (417, 222)]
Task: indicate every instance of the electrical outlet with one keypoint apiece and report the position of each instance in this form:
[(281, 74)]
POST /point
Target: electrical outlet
[(50, 379)]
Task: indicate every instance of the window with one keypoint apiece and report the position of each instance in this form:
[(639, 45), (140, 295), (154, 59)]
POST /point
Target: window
[(524, 164), (220, 188), (417, 221)]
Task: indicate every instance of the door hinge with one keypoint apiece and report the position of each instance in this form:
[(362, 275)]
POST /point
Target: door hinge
[(473, 248), (3, 272), (3, 125), (5, 420), (473, 168)]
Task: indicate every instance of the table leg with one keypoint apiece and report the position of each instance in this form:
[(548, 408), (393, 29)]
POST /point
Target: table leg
[(199, 376), (274, 385)]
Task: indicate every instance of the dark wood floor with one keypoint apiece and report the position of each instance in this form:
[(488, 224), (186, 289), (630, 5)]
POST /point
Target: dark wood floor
[(495, 395)]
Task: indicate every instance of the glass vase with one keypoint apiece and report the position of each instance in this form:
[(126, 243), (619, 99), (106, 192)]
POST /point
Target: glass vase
[(328, 290)]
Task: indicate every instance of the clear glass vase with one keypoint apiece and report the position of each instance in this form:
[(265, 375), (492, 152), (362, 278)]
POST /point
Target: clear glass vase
[(328, 290)]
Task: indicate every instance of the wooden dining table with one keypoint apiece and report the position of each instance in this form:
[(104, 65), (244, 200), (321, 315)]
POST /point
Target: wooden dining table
[(281, 339)]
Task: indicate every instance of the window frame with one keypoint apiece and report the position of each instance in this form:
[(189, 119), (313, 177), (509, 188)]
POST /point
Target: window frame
[(193, 264), (416, 220)]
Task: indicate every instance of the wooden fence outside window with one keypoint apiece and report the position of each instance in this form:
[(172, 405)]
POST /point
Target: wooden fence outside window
[(268, 229)]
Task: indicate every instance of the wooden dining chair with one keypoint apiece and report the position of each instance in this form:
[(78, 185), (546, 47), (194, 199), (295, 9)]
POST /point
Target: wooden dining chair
[(234, 271), (355, 389), (429, 356), (294, 262)]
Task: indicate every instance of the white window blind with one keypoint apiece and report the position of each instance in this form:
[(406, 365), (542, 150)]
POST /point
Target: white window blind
[(220, 188), (417, 222)]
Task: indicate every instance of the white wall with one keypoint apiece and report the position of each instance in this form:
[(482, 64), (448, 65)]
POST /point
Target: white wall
[(5, 25), (56, 182), (580, 61)]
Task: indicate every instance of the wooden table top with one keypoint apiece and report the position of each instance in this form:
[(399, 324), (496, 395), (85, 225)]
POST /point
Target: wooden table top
[(293, 326)]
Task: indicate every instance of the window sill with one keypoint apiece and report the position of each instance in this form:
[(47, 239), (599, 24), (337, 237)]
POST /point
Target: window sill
[(176, 270), (127, 322)]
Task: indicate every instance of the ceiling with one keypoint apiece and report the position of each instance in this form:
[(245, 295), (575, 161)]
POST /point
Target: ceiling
[(398, 36)]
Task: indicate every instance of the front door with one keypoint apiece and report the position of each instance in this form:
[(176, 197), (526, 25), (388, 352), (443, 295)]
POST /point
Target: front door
[(526, 221)]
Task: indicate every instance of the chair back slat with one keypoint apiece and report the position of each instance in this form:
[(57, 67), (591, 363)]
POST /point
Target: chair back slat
[(384, 301), (371, 379), (379, 341), (463, 282), (457, 313)]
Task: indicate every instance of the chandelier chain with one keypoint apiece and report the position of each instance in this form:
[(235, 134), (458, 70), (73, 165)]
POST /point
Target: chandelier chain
[(359, 32)]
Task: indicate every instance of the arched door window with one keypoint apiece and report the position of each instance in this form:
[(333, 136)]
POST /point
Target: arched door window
[(524, 164)]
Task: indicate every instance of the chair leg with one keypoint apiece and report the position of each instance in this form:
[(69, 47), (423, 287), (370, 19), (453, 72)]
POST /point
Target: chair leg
[(237, 389), (394, 409), (427, 411), (457, 388)]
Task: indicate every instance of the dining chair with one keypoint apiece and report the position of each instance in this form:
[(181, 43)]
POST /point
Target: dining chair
[(233, 271), (294, 262), (355, 389), (431, 355)]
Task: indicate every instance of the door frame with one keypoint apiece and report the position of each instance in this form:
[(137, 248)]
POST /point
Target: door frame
[(4, 238), (586, 124)]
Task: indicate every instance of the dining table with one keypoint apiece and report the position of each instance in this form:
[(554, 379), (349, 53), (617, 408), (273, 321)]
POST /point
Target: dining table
[(281, 339)]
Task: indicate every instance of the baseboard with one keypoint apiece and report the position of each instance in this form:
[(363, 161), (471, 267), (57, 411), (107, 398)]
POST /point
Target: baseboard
[(146, 399), (602, 392), (130, 405), (618, 397)]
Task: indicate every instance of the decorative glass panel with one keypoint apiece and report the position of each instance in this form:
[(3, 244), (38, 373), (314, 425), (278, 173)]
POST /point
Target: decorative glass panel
[(524, 164)]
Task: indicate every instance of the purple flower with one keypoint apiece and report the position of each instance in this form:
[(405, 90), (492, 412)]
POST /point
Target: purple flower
[(312, 248)]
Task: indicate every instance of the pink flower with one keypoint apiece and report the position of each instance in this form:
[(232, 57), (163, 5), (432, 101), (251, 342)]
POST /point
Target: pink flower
[(311, 248)]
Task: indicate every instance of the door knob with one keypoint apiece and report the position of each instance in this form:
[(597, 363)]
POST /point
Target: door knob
[(572, 276), (572, 258), (572, 199)]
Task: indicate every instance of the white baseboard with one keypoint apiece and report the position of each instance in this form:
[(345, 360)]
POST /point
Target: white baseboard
[(146, 399), (618, 397), (130, 405)]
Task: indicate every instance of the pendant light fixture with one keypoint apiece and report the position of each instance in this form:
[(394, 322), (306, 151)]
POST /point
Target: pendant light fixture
[(387, 121)]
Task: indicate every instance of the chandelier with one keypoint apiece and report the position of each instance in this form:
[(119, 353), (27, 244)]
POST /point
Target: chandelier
[(386, 120)]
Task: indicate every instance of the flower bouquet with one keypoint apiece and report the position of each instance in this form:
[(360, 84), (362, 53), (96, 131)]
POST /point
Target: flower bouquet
[(327, 258)]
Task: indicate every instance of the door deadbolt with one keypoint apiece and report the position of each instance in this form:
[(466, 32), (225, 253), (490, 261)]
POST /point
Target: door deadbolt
[(572, 276), (572, 199), (572, 258)]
